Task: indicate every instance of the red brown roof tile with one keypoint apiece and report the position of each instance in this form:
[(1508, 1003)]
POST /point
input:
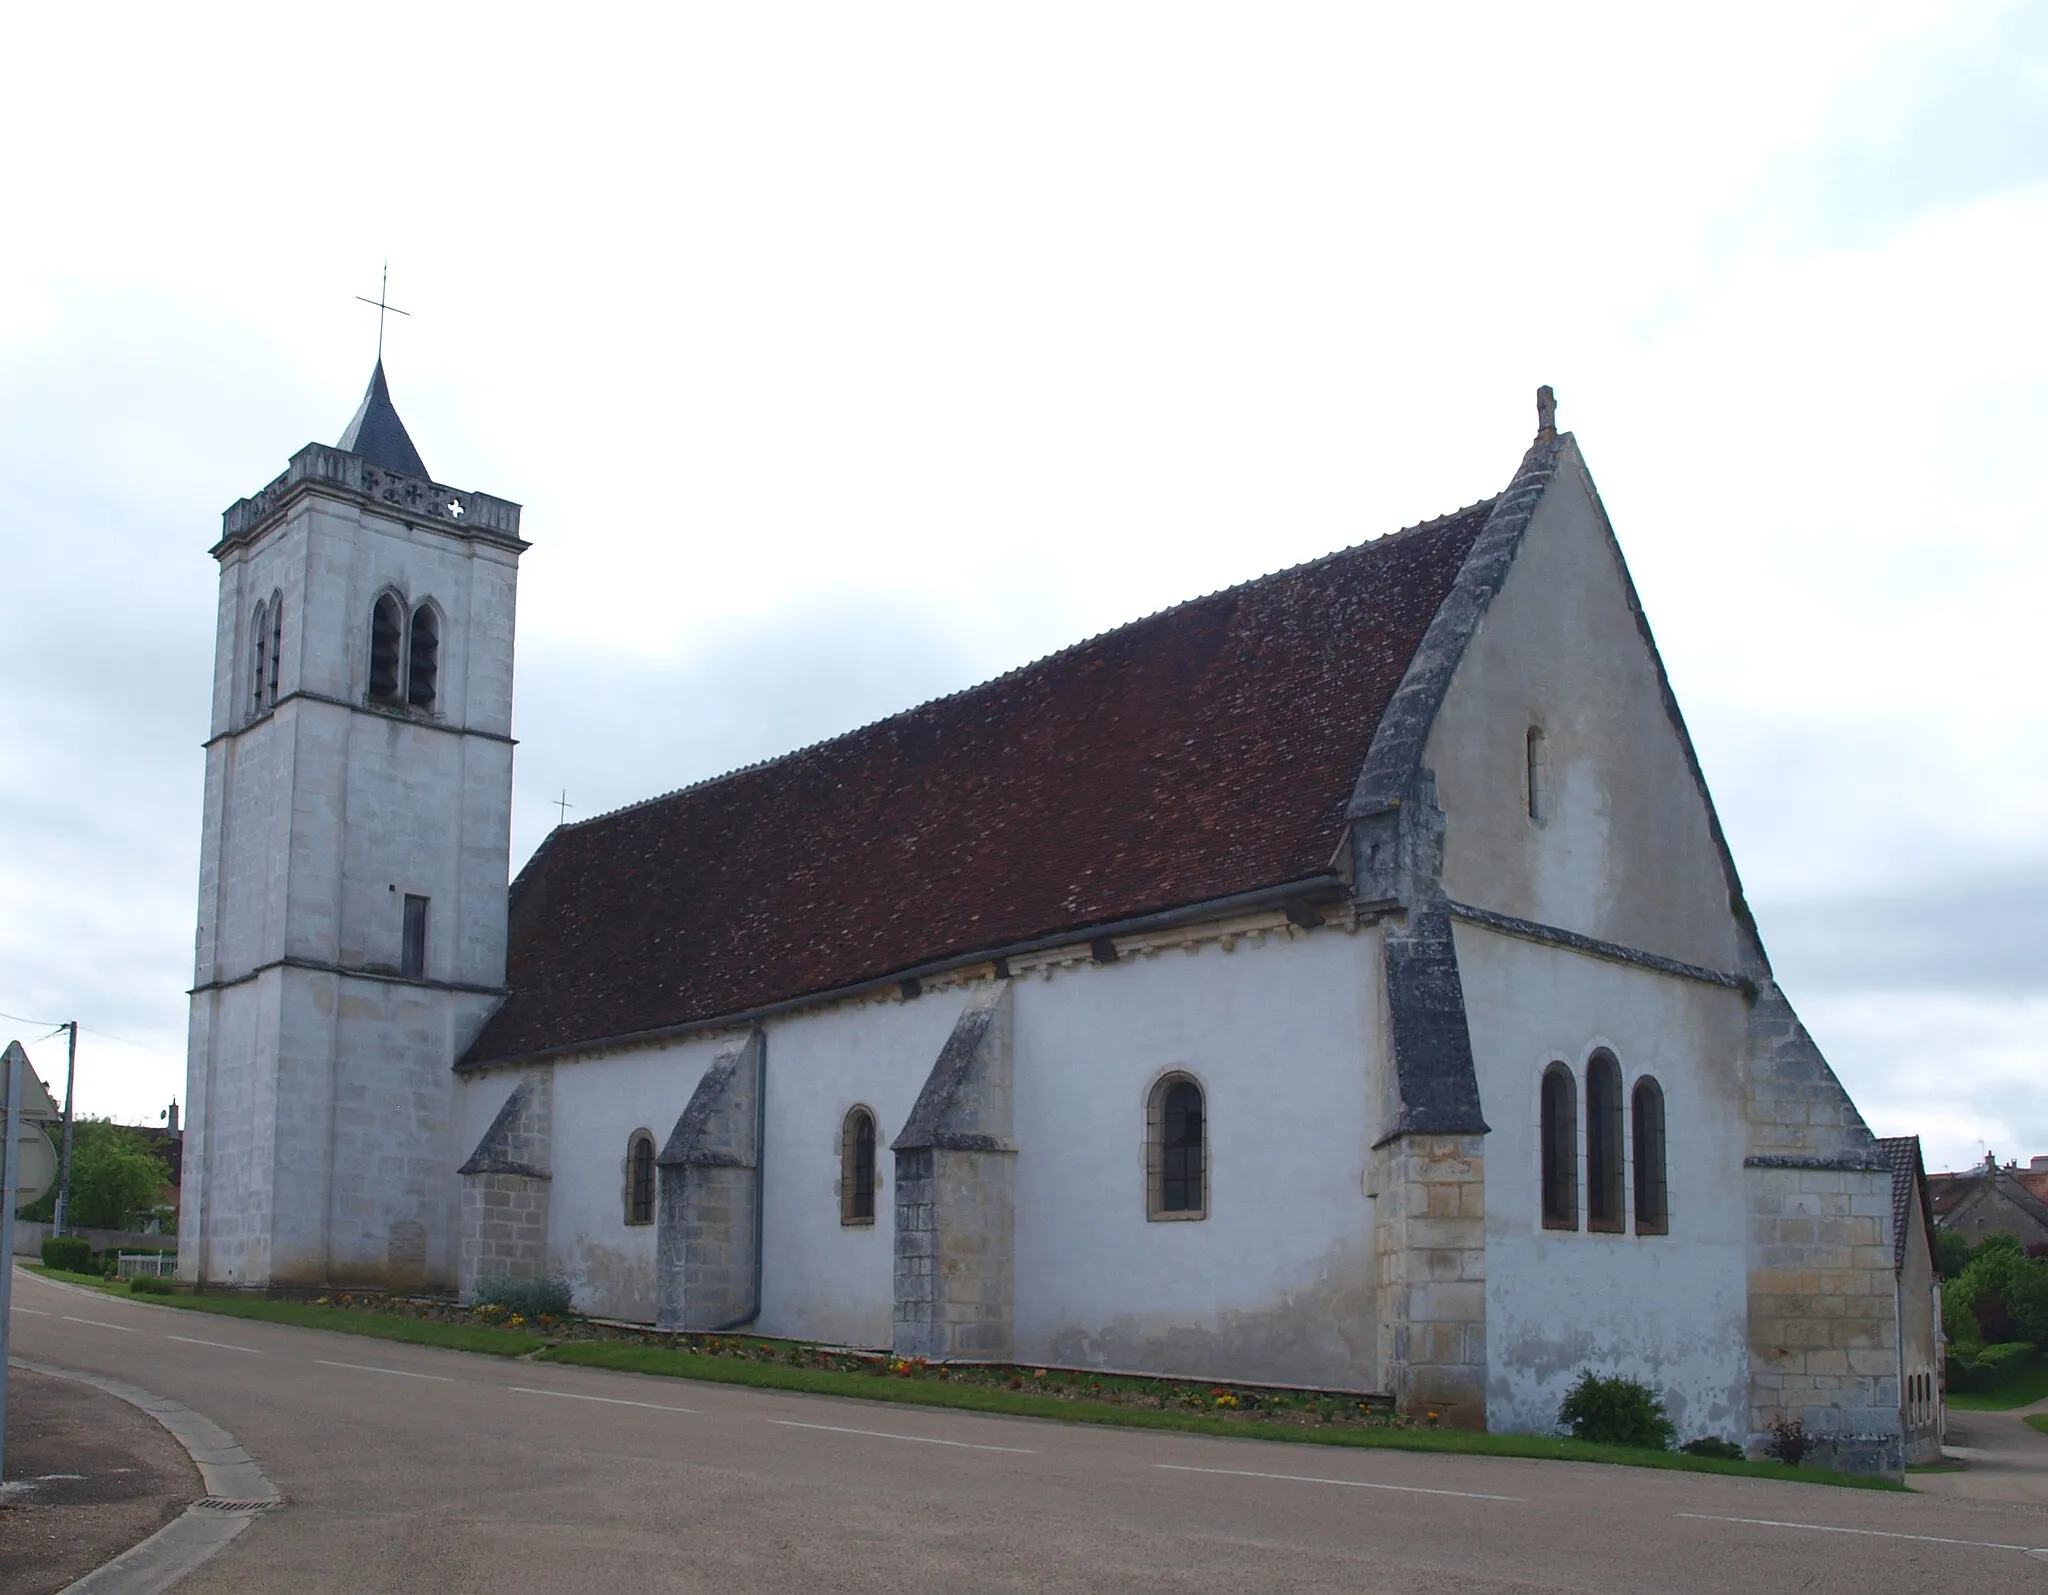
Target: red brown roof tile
[(1205, 751)]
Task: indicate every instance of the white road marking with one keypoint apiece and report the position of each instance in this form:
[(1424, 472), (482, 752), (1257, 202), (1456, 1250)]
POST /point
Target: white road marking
[(218, 1345), (33, 1312), (918, 1439), (125, 1329), (363, 1367), (610, 1401), (1830, 1528), (1349, 1484)]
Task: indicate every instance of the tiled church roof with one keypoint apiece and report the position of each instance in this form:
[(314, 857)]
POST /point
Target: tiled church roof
[(1902, 1152), (1205, 751)]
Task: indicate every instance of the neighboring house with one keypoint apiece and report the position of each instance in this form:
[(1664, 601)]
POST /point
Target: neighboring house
[(1919, 1299), (1991, 1200), (1341, 979)]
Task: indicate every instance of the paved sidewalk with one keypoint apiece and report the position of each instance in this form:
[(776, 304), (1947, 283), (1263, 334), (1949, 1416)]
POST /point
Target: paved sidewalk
[(87, 1476), (2003, 1459)]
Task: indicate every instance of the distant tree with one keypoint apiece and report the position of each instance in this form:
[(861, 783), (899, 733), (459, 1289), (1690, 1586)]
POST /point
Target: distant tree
[(115, 1177), (2002, 1295), (1951, 1252)]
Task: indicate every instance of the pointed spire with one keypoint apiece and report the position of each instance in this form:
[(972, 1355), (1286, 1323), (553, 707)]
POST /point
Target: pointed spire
[(378, 435)]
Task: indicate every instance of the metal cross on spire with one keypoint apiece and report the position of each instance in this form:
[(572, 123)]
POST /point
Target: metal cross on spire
[(383, 290), (562, 803)]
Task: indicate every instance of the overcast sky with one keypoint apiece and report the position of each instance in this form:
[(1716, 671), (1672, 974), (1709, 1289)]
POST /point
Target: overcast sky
[(846, 355)]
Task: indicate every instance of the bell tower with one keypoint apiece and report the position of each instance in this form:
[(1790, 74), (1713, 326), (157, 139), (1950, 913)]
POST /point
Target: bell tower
[(353, 865)]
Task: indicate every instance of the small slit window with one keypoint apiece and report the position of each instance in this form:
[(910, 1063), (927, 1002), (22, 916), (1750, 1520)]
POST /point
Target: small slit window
[(1604, 1145), (1177, 1150), (857, 1168), (640, 1178), (412, 960), (1537, 773), (387, 642), (1646, 1109), (423, 678), (1560, 1132)]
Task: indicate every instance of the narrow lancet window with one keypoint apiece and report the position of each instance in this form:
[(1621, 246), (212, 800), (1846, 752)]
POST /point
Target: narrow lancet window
[(412, 961), (1560, 1149), (640, 1178), (1538, 772), (857, 1168), (387, 641), (1177, 1150), (1653, 1216), (1603, 1145), (276, 650), (425, 674)]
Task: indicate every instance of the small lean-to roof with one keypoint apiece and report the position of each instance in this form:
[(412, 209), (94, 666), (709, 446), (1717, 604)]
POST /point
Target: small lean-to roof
[(378, 435), (1205, 751), (1909, 1183)]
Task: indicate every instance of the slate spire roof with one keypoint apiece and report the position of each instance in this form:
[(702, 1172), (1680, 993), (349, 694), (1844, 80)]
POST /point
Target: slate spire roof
[(378, 435), (1204, 752)]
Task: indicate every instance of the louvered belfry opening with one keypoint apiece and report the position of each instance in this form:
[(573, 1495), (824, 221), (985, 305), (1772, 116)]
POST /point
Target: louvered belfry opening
[(424, 676), (387, 642)]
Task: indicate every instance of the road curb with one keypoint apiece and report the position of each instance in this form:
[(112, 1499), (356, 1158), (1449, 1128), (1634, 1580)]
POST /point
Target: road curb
[(236, 1493)]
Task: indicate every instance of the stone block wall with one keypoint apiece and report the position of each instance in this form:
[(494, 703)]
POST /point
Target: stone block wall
[(1429, 1233), (1823, 1297), (502, 1220)]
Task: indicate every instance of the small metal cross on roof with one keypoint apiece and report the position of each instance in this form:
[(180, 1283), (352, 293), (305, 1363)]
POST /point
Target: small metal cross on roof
[(562, 804), (383, 289)]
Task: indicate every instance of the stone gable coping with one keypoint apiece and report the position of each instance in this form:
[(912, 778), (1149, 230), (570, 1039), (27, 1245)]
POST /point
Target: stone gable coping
[(965, 1104), (719, 1128), (506, 1147)]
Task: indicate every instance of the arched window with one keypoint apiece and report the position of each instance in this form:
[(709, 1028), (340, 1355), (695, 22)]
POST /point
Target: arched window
[(276, 650), (425, 673), (640, 1178), (1646, 1108), (1560, 1149), (1603, 1145), (1538, 774), (1176, 1150), (387, 638), (857, 1168), (260, 674)]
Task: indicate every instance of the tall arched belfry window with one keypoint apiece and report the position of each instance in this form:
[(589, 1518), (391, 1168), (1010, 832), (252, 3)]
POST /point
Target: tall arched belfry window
[(1560, 1149), (1653, 1209), (857, 1168), (1176, 1150), (276, 650), (1604, 1145), (424, 676), (387, 642), (259, 672)]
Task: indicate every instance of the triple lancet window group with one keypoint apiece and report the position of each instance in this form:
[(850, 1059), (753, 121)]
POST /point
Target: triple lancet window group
[(1624, 1153), (405, 659), (266, 632)]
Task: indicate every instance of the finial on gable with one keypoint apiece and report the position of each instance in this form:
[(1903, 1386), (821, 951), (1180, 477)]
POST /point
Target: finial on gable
[(1546, 414)]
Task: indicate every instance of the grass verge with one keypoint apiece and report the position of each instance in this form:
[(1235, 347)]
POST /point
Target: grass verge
[(627, 1357), (2037, 1421), (2027, 1385)]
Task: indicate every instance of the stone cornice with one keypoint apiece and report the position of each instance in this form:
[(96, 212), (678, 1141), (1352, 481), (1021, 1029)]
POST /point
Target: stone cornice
[(1594, 947), (380, 711), (336, 473), (324, 967)]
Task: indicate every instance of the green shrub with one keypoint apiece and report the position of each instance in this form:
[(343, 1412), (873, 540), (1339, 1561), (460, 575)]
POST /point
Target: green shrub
[(72, 1253), (1981, 1370), (530, 1298), (1616, 1411), (149, 1285), (1789, 1441), (1713, 1447)]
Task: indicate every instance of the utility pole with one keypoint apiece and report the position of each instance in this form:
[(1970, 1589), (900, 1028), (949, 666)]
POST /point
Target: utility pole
[(10, 1182), (64, 1161)]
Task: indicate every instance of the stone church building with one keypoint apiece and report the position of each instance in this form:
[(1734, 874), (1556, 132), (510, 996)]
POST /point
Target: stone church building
[(1338, 980)]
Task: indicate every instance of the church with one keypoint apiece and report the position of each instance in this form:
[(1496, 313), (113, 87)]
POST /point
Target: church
[(1338, 980)]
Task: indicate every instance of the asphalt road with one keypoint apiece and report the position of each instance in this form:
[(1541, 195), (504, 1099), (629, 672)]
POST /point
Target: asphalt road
[(410, 1469)]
